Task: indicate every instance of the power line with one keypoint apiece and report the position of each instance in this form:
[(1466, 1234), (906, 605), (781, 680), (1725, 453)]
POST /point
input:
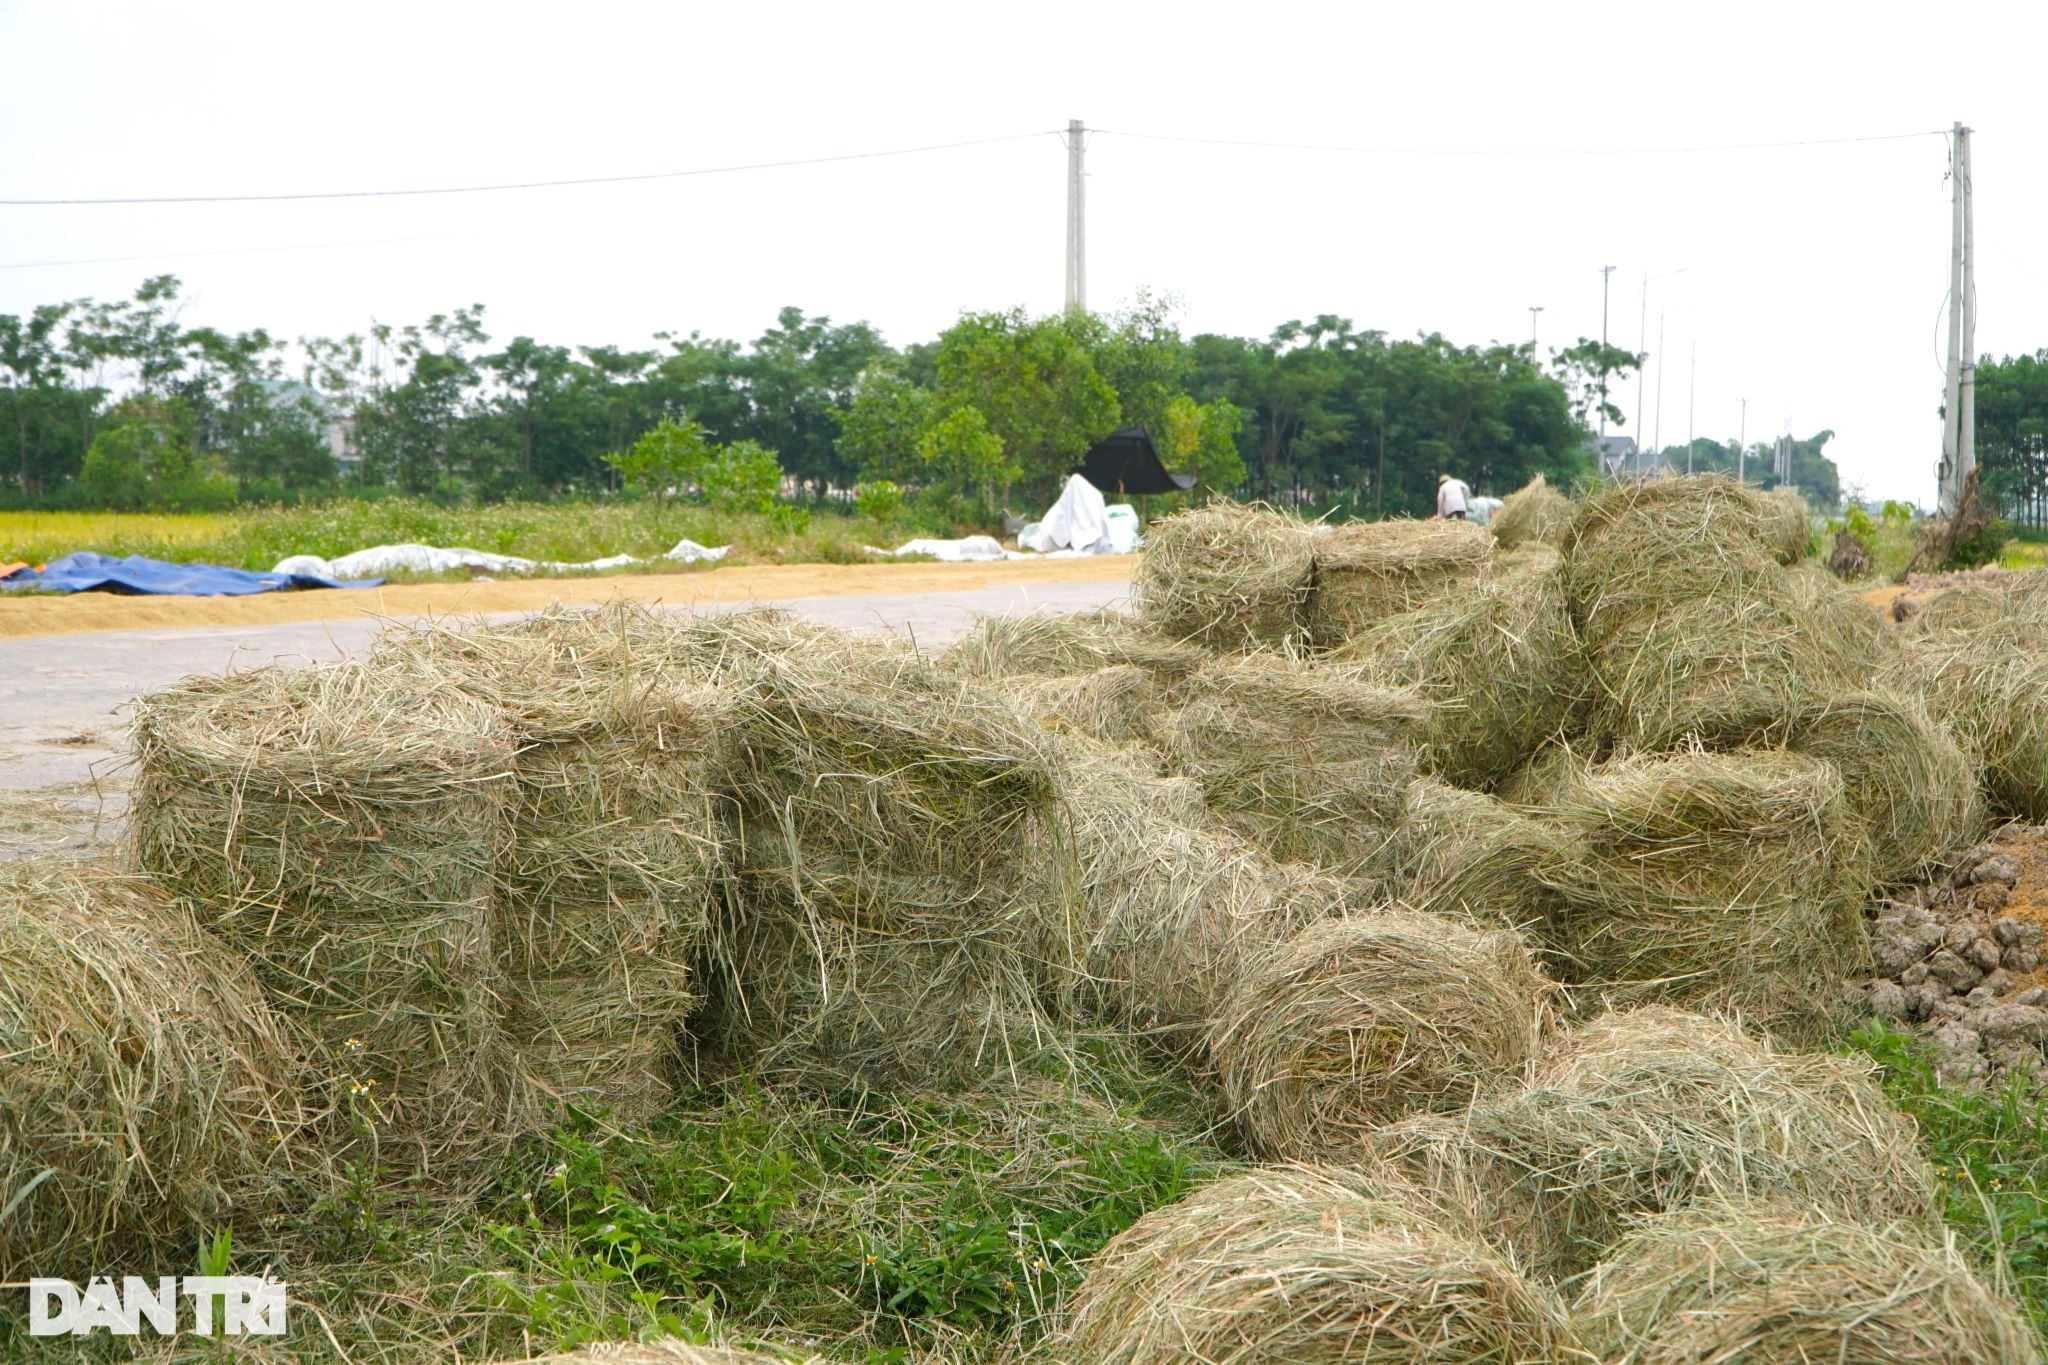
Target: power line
[(1519, 151), (223, 251), (526, 184)]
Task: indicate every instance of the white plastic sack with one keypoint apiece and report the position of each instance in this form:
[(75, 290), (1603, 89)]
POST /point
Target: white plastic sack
[(970, 550), (1122, 520), (688, 551), (1078, 521)]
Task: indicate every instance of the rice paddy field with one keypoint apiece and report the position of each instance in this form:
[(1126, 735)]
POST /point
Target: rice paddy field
[(1608, 940), (257, 538)]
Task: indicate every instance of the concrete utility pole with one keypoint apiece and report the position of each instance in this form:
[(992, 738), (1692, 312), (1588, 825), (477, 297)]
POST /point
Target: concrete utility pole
[(1692, 393), (1658, 441), (1605, 271), (1742, 442), (1077, 216), (1533, 311), (1959, 398)]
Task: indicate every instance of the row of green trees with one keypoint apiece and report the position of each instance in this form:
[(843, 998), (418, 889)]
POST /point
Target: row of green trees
[(1813, 473), (2012, 437), (118, 404)]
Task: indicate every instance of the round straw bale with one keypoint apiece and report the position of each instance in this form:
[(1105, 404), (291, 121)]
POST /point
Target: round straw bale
[(1964, 608), (341, 826), (1720, 881), (1367, 571), (1536, 559), (606, 880), (1359, 1021), (1651, 1110), (1499, 665), (1117, 705), (1225, 575), (1749, 1282), (1903, 775), (1842, 621), (1057, 644), (669, 1351), (1312, 764), (1473, 858), (1990, 687), (1304, 1266), (1534, 514), (1639, 548), (1788, 525), (146, 1090), (1721, 671), (1169, 913)]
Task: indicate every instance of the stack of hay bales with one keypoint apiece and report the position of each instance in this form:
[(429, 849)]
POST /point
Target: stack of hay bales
[(147, 1092), (1756, 1282), (1366, 571), (1164, 914), (1534, 514), (888, 817), (1499, 664), (1312, 764), (342, 826), (1473, 858), (1653, 1110), (1719, 881), (1977, 656), (1098, 674), (1359, 1021), (606, 880), (1307, 1267), (1226, 576)]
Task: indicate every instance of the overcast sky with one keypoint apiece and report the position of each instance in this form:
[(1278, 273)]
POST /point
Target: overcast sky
[(1813, 277)]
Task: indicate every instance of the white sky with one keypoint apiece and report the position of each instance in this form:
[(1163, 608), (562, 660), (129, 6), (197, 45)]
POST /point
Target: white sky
[(1813, 278)]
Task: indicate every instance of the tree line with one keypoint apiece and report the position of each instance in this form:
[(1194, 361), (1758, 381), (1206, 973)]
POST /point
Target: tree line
[(118, 404), (2012, 437)]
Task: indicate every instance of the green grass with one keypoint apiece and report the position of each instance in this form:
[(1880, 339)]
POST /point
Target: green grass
[(564, 532), (881, 1229), (1990, 1151)]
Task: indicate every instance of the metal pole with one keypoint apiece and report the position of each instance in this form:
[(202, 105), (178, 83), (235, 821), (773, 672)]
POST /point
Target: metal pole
[(1642, 349), (1951, 398), (1605, 271), (1077, 216), (1692, 393), (1659, 439), (1533, 311), (1742, 442), (1966, 374)]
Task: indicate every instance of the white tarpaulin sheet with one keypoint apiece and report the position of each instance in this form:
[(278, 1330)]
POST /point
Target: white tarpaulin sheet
[(969, 550), (1078, 521), (381, 560)]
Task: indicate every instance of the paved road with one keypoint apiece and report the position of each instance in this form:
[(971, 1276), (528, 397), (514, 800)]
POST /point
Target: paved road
[(61, 696)]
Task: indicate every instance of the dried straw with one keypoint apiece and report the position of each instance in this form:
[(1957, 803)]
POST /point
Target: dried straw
[(1356, 1022), (1842, 620), (1051, 644), (146, 1091), (341, 826), (1118, 705), (1651, 1110), (1473, 858), (1717, 881), (1500, 666), (1989, 685), (605, 884), (1366, 571), (1755, 1282), (1534, 514), (1304, 1266), (670, 1351), (1312, 764), (1788, 528), (1225, 575)]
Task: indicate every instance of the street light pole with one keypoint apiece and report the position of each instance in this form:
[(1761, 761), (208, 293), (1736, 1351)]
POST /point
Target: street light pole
[(1533, 311)]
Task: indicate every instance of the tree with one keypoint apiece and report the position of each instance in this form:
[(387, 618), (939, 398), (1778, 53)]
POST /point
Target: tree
[(142, 458), (880, 429), (1201, 439), (1034, 384), (1589, 372), (742, 476), (664, 462), (960, 446)]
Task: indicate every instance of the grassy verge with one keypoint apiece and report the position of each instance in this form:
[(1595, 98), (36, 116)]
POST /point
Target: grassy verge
[(1990, 1151), (563, 532)]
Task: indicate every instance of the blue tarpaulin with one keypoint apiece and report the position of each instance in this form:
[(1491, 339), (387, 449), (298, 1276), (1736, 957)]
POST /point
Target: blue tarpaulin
[(89, 572)]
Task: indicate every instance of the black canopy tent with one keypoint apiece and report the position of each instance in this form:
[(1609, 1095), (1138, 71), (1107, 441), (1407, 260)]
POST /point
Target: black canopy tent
[(1125, 462)]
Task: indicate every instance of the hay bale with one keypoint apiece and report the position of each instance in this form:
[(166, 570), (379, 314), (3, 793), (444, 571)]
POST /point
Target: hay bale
[(1534, 514), (1356, 1022), (1165, 914), (1303, 1266), (606, 880), (1902, 774), (1366, 571), (1534, 560), (1842, 620), (1052, 644), (1990, 687), (1788, 524), (887, 814), (1637, 549), (1717, 881), (1312, 764), (146, 1091), (341, 826), (1225, 576), (1472, 857), (1500, 666), (670, 1351), (1118, 705), (1762, 1283), (1655, 1109)]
